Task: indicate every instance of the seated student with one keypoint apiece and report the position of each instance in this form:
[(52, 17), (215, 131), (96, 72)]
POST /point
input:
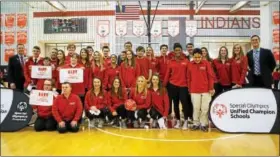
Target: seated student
[(200, 83), (96, 104), (45, 119), (116, 98), (67, 110), (142, 96), (160, 102)]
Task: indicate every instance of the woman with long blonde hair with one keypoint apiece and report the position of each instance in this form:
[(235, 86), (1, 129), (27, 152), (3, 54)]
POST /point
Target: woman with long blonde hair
[(153, 61), (98, 68)]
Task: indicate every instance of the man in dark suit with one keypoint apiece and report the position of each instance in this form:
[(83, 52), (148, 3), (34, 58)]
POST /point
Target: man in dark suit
[(15, 69), (261, 63)]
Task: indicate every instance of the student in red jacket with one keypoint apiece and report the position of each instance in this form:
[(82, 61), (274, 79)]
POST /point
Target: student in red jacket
[(142, 96), (111, 72), (201, 87), (153, 61), (45, 119), (67, 110), (116, 98), (276, 77), (176, 82), (222, 71), (85, 62), (60, 64), (32, 61), (160, 102), (96, 107), (106, 56), (144, 63), (98, 67), (205, 55), (71, 48), (239, 67), (162, 61), (90, 53), (40, 82), (130, 70), (121, 58)]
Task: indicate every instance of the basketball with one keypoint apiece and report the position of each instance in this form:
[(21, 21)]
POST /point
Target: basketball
[(129, 104)]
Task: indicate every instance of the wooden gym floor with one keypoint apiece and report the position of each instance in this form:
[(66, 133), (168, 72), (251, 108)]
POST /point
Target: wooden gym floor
[(124, 142)]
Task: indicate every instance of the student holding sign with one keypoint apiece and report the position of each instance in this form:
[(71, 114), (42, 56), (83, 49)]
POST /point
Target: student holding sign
[(46, 71), (67, 110), (71, 48)]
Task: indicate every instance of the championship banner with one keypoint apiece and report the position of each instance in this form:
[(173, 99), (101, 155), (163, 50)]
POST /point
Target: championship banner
[(73, 75), (138, 28), (191, 27), (8, 53), (41, 72), (9, 38), (16, 113), (276, 17), (121, 28), (21, 20), (173, 27), (21, 37), (10, 20), (41, 98), (156, 29), (103, 28), (247, 110)]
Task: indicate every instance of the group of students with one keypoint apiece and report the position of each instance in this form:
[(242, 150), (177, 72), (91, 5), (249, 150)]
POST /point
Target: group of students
[(155, 84)]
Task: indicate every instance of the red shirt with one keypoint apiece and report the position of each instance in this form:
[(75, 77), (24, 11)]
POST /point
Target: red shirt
[(129, 74), (98, 72), (276, 75), (87, 75), (67, 59), (115, 101), (154, 65), (110, 75), (177, 72), (162, 66), (99, 101), (107, 62), (27, 70), (142, 101), (239, 70), (54, 62), (67, 109), (200, 77), (160, 102), (145, 65), (223, 72)]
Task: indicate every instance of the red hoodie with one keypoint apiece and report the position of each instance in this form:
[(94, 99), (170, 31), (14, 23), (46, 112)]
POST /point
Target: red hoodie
[(223, 72), (69, 109), (107, 62), (200, 77), (160, 102), (114, 101), (87, 75), (110, 75), (98, 72), (145, 65), (43, 111), (27, 70), (239, 70), (129, 74), (176, 72), (99, 101), (142, 101), (162, 66)]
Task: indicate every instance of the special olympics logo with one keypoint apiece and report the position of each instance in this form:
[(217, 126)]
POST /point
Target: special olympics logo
[(22, 106), (219, 110)]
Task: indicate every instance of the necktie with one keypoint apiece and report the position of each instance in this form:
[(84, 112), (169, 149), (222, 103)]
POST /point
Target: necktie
[(256, 62), (35, 62), (21, 61)]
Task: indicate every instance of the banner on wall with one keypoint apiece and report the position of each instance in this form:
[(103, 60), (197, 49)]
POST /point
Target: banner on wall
[(173, 27), (21, 20), (73, 75), (138, 28), (10, 20), (276, 17), (41, 98), (276, 35), (156, 29), (103, 28), (41, 72), (191, 27), (255, 111), (9, 52), (21, 37), (121, 28), (9, 38)]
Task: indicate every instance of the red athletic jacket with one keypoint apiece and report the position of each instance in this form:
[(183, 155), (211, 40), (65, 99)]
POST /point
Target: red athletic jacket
[(129, 74), (176, 72), (27, 70), (43, 111), (40, 82), (114, 101), (171, 55), (54, 63), (200, 77), (162, 66), (97, 72), (107, 62), (99, 101), (145, 65), (87, 75), (223, 72), (160, 102), (67, 59), (142, 101), (276, 75), (154, 65), (239, 70), (110, 75), (69, 109)]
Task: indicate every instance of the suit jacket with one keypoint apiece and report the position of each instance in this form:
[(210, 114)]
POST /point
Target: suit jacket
[(267, 65), (15, 72)]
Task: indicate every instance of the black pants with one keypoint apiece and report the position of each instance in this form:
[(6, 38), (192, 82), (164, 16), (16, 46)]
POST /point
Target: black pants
[(177, 94), (103, 113), (220, 89), (42, 124), (155, 114), (258, 82), (122, 113), (142, 113), (68, 127), (276, 84)]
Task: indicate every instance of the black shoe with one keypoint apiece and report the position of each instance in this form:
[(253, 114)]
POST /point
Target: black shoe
[(194, 127), (204, 128)]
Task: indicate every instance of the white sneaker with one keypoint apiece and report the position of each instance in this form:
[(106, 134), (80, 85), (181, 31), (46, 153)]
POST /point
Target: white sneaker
[(161, 123), (177, 126), (92, 123), (185, 125), (100, 123)]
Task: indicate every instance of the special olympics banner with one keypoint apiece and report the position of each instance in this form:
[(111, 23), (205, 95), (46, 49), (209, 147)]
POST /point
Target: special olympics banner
[(247, 110), (173, 27), (138, 28), (41, 72), (191, 27), (103, 28), (16, 113), (156, 29), (121, 28), (73, 75), (41, 98)]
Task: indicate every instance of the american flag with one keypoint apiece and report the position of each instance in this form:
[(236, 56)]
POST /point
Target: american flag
[(127, 12)]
